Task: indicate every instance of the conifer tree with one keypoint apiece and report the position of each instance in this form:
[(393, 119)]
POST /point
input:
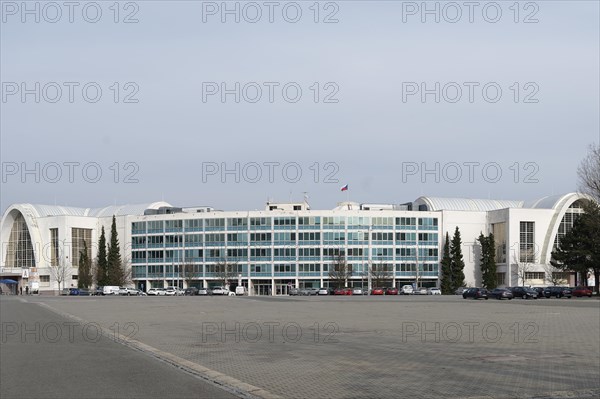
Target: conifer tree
[(446, 265), (457, 264), (101, 267)]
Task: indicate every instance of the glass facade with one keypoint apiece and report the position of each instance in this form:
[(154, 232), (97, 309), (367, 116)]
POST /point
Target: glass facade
[(20, 248), (298, 247)]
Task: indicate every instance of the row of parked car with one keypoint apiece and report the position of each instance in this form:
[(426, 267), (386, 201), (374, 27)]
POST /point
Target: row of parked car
[(526, 292), (405, 290)]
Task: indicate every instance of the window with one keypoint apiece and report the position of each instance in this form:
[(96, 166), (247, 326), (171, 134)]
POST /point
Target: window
[(80, 238), (260, 222), (499, 231), (501, 278), (74, 277), (309, 236), (284, 268), (309, 221), (237, 222), (526, 238), (172, 225), (155, 226), (53, 247), (290, 221), (193, 224), (20, 247), (428, 223), (534, 275), (309, 251), (260, 237), (138, 227), (214, 224), (44, 279), (406, 222), (193, 240)]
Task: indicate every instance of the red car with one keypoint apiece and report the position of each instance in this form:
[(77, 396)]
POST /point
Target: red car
[(391, 291), (343, 291), (581, 291), (377, 291)]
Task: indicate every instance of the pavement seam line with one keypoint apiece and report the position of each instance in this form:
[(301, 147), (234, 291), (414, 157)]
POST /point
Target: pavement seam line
[(221, 380)]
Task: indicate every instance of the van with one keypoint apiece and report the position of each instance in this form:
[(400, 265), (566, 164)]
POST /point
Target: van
[(241, 290), (110, 290)]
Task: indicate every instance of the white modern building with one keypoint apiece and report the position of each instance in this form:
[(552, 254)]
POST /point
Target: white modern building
[(289, 244)]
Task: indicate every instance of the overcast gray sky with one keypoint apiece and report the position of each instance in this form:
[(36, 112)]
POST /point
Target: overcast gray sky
[(517, 102)]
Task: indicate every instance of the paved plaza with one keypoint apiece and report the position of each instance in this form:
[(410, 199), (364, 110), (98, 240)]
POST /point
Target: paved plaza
[(350, 347)]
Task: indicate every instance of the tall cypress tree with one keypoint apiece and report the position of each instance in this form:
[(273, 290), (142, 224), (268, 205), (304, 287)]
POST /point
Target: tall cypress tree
[(102, 262), (446, 264), (84, 278), (457, 261), (114, 266), (487, 261)]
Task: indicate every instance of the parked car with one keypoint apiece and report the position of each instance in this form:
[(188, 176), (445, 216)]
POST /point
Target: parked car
[(475, 293), (204, 291), (406, 290), (434, 291), (581, 291), (190, 291), (241, 290), (524, 292), (377, 291), (540, 291), (110, 290), (98, 291), (84, 292), (391, 291), (65, 291), (420, 291), (128, 291), (460, 290), (294, 291), (156, 291), (557, 292), (358, 291), (501, 293), (72, 291), (222, 291), (324, 291)]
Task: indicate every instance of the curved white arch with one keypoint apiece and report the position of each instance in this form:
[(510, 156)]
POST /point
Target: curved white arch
[(29, 214), (560, 206)]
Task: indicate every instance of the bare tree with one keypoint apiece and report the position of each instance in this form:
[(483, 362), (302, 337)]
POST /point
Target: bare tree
[(554, 276), (189, 272), (380, 272), (340, 271), (224, 271), (521, 269), (589, 173), (60, 273)]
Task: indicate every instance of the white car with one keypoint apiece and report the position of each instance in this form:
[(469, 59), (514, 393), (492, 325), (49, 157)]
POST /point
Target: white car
[(406, 290), (434, 291), (358, 291), (156, 291), (323, 291), (220, 291), (128, 291)]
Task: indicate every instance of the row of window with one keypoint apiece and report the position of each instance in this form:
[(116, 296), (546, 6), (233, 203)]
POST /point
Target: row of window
[(216, 223), (242, 238)]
